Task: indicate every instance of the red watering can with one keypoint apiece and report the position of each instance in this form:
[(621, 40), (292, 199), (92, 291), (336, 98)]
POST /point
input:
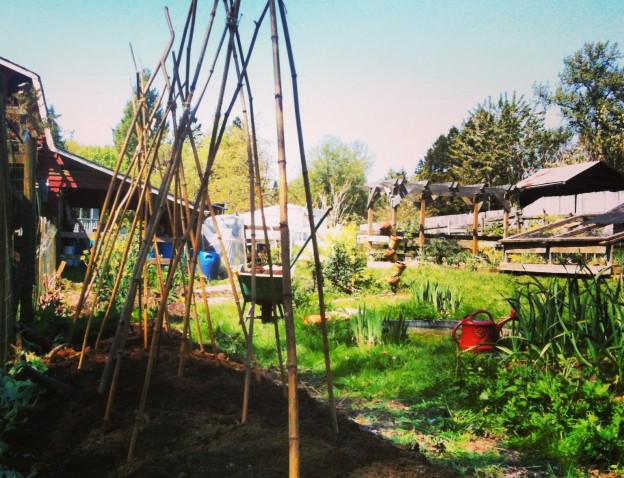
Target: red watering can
[(479, 335)]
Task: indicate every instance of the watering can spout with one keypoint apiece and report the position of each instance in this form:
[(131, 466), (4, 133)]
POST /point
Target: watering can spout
[(512, 316)]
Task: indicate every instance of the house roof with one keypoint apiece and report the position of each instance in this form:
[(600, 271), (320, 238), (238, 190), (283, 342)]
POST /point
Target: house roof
[(593, 176), (35, 80), (552, 176)]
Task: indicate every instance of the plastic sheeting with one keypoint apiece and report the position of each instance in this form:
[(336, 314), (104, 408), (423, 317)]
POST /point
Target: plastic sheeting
[(232, 229)]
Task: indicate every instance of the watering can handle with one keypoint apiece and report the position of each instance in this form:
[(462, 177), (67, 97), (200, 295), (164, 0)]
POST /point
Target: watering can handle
[(468, 317), (454, 332)]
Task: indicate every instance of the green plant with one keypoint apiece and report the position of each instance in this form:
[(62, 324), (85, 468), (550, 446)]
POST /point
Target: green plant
[(440, 249), (17, 394), (572, 417), (527, 258), (579, 317), (446, 300), (345, 269), (367, 327), (395, 329)]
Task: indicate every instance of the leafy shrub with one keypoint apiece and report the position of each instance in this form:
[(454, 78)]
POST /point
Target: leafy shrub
[(572, 417), (440, 249), (345, 269), (304, 293)]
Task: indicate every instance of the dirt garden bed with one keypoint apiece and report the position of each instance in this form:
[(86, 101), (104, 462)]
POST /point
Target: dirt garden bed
[(192, 427)]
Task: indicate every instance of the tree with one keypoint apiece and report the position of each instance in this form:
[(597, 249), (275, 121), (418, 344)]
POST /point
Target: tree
[(503, 141), (55, 128), (229, 181), (437, 166), (336, 171), (104, 155), (396, 174), (121, 130), (590, 96)]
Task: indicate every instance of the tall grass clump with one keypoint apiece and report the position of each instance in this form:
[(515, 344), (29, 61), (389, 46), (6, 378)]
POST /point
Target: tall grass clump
[(580, 317), (445, 299), (367, 327)]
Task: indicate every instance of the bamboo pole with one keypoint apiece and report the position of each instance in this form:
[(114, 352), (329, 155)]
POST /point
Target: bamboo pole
[(196, 249), (146, 291), (315, 248), (185, 214), (189, 295), (291, 343), (260, 194)]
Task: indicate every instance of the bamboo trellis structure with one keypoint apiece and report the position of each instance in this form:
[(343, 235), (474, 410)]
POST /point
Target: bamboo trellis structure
[(186, 84)]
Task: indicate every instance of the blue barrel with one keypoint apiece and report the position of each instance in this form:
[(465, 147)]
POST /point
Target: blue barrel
[(165, 249), (209, 263)]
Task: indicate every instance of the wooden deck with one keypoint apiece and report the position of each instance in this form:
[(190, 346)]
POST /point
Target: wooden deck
[(559, 269)]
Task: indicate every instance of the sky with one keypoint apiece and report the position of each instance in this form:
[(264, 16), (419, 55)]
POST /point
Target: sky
[(394, 75)]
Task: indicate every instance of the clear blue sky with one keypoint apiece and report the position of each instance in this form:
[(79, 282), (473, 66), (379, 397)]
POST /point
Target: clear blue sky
[(393, 74)]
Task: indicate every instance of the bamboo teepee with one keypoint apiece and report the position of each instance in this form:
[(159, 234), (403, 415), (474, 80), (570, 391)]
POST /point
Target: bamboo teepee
[(187, 83)]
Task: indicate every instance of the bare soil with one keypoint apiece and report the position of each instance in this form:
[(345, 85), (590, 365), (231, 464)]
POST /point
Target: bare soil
[(192, 426)]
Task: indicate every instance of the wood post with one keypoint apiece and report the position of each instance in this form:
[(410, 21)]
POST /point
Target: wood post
[(421, 226), (475, 227), (505, 224), (7, 319)]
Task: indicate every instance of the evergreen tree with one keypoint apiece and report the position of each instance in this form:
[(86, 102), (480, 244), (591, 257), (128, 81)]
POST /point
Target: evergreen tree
[(121, 130)]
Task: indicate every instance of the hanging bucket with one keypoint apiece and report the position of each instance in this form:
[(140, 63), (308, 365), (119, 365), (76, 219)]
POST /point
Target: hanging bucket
[(394, 241), (394, 281), (386, 229), (209, 263), (390, 255), (399, 267)]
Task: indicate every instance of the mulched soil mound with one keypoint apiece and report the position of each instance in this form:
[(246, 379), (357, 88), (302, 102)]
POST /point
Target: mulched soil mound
[(191, 427)]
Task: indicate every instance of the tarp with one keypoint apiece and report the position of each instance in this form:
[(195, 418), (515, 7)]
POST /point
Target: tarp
[(232, 228)]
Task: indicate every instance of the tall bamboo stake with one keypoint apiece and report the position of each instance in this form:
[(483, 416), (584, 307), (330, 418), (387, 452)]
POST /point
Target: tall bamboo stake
[(196, 246), (315, 248), (291, 343), (252, 204), (260, 196)]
